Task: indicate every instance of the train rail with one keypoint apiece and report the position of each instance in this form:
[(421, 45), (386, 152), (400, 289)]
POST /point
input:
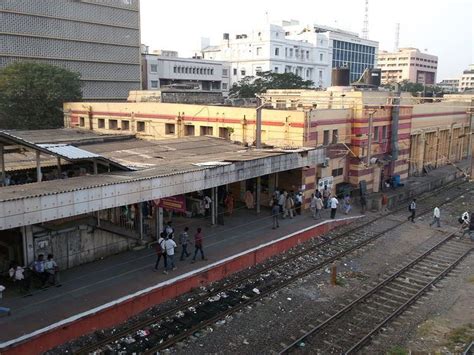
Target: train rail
[(174, 325), (352, 327)]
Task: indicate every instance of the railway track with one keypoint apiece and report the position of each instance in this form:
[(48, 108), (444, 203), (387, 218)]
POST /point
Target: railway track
[(353, 327), (172, 326)]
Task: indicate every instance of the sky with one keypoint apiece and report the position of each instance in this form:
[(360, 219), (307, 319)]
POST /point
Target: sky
[(443, 28)]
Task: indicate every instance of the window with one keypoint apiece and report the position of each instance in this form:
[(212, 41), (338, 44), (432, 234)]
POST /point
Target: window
[(125, 125), (321, 57), (307, 54), (113, 124), (277, 52), (175, 69), (169, 128), (334, 136), (384, 132), (258, 70), (276, 70), (308, 73), (235, 71), (291, 52), (224, 86), (189, 130), (320, 75), (225, 72), (82, 121), (212, 71), (337, 172), (242, 71), (376, 134), (326, 137), (286, 52), (154, 68), (140, 126), (154, 84), (206, 131), (101, 123), (224, 133), (259, 50)]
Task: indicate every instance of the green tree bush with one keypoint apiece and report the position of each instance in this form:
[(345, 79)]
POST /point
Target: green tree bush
[(32, 95)]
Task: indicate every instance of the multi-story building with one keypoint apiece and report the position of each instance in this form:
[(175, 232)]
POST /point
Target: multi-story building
[(449, 85), (366, 138), (467, 79), (269, 48), (345, 49), (100, 39), (408, 64), (166, 69)]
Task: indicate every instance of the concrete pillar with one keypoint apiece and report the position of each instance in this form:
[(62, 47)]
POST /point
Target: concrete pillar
[(214, 205), (2, 165), (38, 167), (96, 168), (140, 220), (258, 194), (160, 221), (28, 249)]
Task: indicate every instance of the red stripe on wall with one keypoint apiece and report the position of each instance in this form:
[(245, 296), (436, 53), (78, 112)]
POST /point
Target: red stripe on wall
[(439, 114), (323, 122)]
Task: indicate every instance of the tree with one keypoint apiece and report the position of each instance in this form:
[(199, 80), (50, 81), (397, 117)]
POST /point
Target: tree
[(251, 85), (32, 95)]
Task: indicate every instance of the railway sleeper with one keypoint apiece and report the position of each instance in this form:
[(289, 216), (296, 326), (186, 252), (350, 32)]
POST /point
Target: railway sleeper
[(419, 277), (393, 289), (388, 294), (403, 285)]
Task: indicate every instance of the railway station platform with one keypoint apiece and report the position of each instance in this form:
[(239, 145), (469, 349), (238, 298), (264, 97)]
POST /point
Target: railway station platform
[(107, 292)]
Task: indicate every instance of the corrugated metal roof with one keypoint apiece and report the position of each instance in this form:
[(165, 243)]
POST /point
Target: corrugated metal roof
[(68, 151)]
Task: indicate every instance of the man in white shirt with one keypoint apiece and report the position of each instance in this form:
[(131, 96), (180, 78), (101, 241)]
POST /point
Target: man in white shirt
[(436, 217), (170, 245), (333, 203)]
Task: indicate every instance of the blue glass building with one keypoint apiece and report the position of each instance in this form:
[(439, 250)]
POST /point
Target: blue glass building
[(357, 57)]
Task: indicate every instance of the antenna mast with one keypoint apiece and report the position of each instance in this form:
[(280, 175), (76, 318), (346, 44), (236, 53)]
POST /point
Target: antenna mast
[(365, 28), (397, 37)]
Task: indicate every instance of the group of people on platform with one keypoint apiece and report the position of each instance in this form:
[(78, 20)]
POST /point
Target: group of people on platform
[(289, 204), (46, 272), (166, 247)]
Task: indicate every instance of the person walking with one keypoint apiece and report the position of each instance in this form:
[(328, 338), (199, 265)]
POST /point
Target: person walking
[(326, 196), (229, 203), (312, 206), (275, 213), (412, 209), (52, 270), (281, 203), (289, 205), (160, 251), (347, 204), (333, 202), (319, 206), (183, 241), (436, 217), (198, 237), (170, 245), (298, 202)]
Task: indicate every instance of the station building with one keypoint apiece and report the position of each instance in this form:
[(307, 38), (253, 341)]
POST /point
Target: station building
[(83, 195), (406, 137)]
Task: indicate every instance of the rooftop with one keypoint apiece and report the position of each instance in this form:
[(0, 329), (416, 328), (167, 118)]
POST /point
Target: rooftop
[(147, 160)]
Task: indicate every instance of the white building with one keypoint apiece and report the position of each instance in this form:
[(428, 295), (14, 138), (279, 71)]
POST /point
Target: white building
[(408, 64), (467, 79), (449, 85), (344, 48), (166, 69), (269, 48)]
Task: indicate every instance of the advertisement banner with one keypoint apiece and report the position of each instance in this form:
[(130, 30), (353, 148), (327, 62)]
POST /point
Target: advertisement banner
[(174, 203)]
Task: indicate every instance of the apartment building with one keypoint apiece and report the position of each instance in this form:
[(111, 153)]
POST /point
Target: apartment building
[(271, 48), (408, 64), (449, 85), (467, 79), (100, 39)]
